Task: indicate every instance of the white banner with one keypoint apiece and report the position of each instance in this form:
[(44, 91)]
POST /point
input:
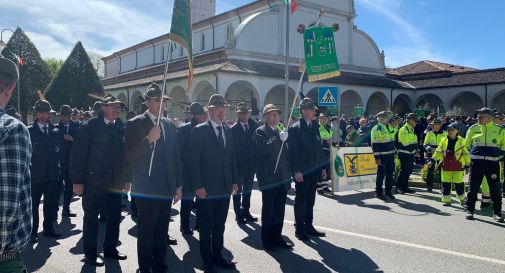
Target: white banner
[(352, 168)]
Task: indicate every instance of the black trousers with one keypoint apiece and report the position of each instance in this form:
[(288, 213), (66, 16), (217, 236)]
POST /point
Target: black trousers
[(272, 214), (213, 214), (305, 199), (154, 217), (68, 192), (50, 191), (406, 166), (385, 170), (187, 202), (111, 202), (490, 169), (242, 200), (133, 204)]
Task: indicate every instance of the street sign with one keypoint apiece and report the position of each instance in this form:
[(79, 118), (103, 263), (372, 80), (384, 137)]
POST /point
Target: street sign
[(328, 96)]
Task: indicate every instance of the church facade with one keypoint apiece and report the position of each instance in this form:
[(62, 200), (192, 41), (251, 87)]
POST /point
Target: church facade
[(240, 54)]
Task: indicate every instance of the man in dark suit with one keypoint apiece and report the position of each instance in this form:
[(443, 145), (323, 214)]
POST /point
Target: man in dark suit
[(308, 166), (243, 129), (44, 168), (97, 167), (274, 184), (214, 175), (68, 132), (188, 191), (154, 191)]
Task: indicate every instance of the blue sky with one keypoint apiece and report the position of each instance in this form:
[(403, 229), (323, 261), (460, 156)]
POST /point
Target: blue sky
[(465, 32)]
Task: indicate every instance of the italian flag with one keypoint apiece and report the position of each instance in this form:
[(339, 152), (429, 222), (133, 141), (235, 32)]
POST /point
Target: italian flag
[(292, 4)]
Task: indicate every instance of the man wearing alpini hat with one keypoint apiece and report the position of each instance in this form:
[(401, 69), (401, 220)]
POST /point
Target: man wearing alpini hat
[(97, 168), (44, 167), (274, 184), (215, 177), (243, 130), (156, 187), (307, 166)]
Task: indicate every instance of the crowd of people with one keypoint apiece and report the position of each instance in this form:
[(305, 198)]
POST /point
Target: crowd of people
[(206, 163)]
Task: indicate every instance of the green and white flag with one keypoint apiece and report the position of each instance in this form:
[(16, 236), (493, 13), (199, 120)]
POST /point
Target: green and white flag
[(320, 53), (181, 32)]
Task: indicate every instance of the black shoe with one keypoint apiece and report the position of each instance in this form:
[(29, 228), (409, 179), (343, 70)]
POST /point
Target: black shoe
[(67, 213), (399, 191), (172, 241), (498, 218), (94, 261), (115, 255), (186, 231), (430, 189), (51, 233), (224, 264), (381, 197), (302, 236), (312, 231), (209, 269), (390, 196), (283, 244), (250, 218), (446, 204), (241, 220), (34, 238), (409, 190), (469, 215)]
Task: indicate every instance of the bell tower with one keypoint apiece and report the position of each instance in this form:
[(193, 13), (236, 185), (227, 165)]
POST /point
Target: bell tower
[(202, 9)]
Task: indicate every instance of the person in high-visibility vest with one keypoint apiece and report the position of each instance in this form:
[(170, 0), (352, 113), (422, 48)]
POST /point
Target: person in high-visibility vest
[(431, 142), (408, 149), (452, 152), (486, 151), (485, 201), (327, 140), (383, 146), (394, 123)]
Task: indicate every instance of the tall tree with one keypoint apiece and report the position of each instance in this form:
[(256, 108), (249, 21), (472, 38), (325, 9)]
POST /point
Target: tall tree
[(54, 66), (33, 71), (76, 78)]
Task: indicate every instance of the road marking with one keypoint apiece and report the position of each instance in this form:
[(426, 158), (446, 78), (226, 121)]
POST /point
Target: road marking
[(400, 243)]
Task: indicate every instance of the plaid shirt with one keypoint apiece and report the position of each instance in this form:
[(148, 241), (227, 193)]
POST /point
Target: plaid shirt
[(15, 190)]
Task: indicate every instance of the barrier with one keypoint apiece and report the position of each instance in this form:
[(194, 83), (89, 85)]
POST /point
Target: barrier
[(352, 168)]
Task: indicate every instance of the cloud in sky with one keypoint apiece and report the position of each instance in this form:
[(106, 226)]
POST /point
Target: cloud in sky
[(103, 26), (411, 43)]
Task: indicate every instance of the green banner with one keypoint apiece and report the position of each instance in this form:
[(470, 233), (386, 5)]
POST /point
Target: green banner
[(420, 112), (320, 53), (296, 112), (358, 111), (180, 32)]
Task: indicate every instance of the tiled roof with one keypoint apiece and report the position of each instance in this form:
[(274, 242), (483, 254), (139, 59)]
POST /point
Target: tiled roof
[(478, 77), (425, 66)]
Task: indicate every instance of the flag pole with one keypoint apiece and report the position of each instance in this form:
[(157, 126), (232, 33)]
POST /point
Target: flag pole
[(161, 104), (286, 75)]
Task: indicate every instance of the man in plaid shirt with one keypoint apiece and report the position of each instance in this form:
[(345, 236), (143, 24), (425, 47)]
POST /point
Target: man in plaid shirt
[(15, 196)]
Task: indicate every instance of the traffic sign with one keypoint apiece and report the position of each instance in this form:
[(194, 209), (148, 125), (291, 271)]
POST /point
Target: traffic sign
[(328, 96)]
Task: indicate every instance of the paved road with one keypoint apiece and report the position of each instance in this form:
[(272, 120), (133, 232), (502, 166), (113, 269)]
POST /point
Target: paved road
[(413, 234)]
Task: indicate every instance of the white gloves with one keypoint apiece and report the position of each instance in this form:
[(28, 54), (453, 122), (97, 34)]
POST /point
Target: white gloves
[(283, 135)]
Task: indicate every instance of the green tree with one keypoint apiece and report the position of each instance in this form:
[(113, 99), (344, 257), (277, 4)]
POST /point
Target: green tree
[(76, 78), (54, 66), (33, 71)]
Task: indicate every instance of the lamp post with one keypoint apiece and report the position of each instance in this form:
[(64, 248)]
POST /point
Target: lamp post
[(2, 46)]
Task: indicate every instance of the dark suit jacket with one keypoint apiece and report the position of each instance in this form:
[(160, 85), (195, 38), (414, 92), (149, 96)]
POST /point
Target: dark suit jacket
[(244, 146), (66, 146), (212, 167), (45, 153), (305, 148), (267, 145), (184, 138), (138, 156), (97, 157)]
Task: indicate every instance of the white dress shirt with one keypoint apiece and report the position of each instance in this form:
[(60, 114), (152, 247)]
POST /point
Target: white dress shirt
[(41, 127)]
